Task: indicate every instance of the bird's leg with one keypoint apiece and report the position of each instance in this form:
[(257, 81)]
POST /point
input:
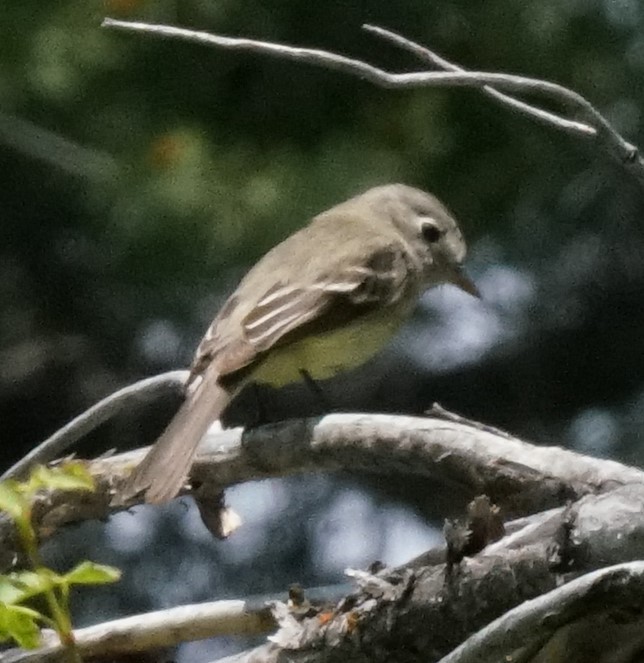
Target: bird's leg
[(261, 408), (316, 390)]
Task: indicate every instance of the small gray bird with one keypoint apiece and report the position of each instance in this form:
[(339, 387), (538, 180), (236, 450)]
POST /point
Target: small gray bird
[(323, 301)]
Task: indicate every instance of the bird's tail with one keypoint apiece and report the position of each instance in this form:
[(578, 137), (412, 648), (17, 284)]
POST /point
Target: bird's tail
[(163, 471)]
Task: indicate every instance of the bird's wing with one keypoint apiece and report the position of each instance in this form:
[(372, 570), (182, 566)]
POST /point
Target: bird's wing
[(286, 307)]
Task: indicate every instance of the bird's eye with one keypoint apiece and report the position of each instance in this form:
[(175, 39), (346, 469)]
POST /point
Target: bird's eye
[(431, 234)]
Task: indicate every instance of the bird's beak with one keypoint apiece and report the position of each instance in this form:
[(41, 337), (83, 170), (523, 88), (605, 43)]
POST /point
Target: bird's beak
[(461, 280)]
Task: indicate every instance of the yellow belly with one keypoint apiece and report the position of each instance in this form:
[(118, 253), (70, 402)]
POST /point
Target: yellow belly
[(324, 355)]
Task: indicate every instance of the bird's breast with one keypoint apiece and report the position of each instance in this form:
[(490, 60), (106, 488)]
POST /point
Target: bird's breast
[(324, 354)]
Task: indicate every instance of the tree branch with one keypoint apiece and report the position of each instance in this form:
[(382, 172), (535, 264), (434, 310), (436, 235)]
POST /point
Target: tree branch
[(422, 601), (431, 57), (153, 630), (594, 124), (537, 596), (522, 477), (611, 598), (470, 457), (64, 439)]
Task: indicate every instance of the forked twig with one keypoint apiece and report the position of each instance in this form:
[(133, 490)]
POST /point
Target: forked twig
[(587, 122)]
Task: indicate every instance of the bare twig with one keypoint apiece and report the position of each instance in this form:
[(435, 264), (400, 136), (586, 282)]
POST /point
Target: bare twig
[(62, 440), (173, 626), (426, 55), (362, 69), (594, 125), (153, 630)]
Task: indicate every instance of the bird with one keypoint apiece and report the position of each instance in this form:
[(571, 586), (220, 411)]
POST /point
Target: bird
[(324, 300)]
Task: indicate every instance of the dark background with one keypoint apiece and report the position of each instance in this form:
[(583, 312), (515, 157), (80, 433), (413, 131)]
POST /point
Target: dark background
[(141, 177)]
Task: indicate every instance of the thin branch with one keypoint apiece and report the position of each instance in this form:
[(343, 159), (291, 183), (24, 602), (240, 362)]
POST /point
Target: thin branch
[(359, 68), (172, 626), (62, 440), (426, 55), (153, 630), (600, 129), (52, 148), (596, 124)]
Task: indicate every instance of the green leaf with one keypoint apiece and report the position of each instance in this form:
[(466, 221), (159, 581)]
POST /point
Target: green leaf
[(11, 501), (22, 585), (89, 573), (21, 624), (71, 475)]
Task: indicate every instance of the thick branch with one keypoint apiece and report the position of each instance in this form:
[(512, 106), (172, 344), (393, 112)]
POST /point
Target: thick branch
[(430, 607), (599, 614), (432, 610), (473, 459)]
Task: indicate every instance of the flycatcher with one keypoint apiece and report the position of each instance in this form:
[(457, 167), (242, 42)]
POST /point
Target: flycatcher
[(324, 300)]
